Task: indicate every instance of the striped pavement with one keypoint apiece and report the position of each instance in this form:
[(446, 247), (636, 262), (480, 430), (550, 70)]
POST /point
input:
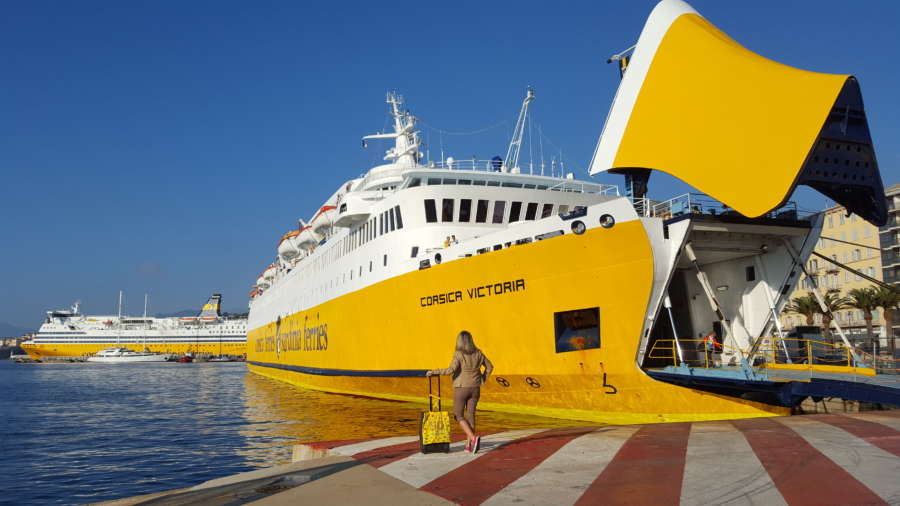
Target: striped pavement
[(814, 459)]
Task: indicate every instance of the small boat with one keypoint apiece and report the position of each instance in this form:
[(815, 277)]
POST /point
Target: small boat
[(221, 358), (118, 355), (185, 359)]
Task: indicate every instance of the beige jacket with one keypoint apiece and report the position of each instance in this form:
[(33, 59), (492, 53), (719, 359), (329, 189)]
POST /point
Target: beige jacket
[(466, 369)]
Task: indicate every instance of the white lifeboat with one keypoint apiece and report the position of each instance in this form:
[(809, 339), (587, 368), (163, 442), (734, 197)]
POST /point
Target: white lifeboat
[(324, 220), (269, 273), (262, 282), (354, 210), (287, 249), (307, 238)]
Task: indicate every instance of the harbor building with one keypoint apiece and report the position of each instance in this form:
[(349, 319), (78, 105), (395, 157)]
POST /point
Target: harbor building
[(849, 240), (889, 236)]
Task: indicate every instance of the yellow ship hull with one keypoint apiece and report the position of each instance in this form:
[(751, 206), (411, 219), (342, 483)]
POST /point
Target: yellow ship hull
[(380, 340), (41, 351)]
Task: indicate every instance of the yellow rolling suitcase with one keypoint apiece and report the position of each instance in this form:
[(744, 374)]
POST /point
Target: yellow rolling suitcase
[(434, 426)]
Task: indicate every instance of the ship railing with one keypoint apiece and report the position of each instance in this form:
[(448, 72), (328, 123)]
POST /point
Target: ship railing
[(699, 203), (466, 164), (371, 177), (774, 354), (881, 363), (563, 185)]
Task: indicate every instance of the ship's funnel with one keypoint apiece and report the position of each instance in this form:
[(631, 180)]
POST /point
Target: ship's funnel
[(211, 308), (739, 127)]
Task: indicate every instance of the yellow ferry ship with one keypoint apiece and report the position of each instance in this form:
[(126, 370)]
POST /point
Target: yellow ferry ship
[(565, 284), (68, 333)]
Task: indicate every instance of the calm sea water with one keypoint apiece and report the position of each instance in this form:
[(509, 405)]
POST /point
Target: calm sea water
[(77, 433)]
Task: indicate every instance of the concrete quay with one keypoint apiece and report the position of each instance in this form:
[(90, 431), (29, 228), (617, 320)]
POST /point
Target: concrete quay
[(851, 458)]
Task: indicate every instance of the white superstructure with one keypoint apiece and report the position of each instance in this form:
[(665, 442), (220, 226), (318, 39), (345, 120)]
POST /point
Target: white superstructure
[(409, 213)]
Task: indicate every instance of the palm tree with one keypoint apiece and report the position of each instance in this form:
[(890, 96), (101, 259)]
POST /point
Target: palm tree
[(865, 299), (805, 305), (832, 303), (888, 299)]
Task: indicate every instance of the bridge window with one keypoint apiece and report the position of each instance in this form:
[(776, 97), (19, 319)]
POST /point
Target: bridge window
[(577, 330), (499, 210), (514, 209), (391, 216), (465, 210), (547, 210), (430, 212), (447, 210), (399, 218), (481, 212), (531, 211)]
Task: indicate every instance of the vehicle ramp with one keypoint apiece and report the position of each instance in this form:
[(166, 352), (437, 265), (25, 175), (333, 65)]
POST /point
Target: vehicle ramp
[(782, 372)]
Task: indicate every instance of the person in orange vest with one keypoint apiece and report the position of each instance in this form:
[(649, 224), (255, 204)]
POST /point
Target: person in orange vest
[(711, 346)]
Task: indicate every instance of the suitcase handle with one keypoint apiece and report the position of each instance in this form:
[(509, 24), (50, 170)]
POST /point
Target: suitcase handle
[(432, 396)]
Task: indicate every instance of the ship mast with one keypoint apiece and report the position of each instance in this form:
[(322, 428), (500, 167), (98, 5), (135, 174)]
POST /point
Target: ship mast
[(515, 145), (119, 322), (405, 152)]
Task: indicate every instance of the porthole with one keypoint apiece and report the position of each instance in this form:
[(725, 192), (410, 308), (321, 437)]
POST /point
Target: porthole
[(437, 258), (578, 227), (607, 221)]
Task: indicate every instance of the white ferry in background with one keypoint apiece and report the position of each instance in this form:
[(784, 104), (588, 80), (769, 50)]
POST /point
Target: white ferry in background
[(566, 285), (68, 333)]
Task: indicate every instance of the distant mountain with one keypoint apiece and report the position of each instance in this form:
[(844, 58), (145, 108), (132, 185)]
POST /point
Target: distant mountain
[(190, 312), (7, 330), (185, 312)]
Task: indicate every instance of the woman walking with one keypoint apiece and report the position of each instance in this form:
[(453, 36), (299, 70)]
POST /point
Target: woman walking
[(467, 380)]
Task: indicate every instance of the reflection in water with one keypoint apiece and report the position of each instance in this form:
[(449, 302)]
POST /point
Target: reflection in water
[(77, 433), (280, 415)]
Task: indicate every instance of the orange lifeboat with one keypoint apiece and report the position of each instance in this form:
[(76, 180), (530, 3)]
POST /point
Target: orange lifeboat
[(287, 246), (307, 238), (323, 221)]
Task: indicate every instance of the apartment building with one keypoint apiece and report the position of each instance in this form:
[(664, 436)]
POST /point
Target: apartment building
[(890, 238), (855, 243)]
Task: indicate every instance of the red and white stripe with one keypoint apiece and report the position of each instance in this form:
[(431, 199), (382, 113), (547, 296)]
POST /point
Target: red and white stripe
[(817, 459)]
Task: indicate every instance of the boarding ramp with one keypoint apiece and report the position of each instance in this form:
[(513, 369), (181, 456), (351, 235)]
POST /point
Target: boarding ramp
[(782, 371)]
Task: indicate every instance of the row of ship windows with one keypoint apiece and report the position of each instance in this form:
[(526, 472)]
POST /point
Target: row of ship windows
[(384, 223), (482, 208), (476, 182)]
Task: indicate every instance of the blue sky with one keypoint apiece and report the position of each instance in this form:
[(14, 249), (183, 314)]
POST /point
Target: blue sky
[(163, 147)]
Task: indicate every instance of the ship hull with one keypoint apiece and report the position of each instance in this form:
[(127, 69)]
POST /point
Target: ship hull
[(42, 350), (379, 341)]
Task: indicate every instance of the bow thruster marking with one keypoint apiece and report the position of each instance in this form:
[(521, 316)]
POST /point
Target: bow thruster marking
[(503, 382), (533, 383), (607, 385)]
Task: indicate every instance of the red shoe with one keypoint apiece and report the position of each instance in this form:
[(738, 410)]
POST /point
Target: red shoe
[(468, 445)]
